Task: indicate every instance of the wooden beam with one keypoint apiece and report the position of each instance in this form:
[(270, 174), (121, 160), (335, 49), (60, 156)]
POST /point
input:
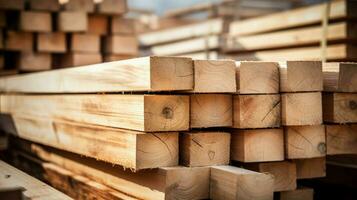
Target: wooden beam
[(54, 42), (121, 44), (65, 22), (35, 21), (214, 76), (210, 27), (12, 5), (341, 139), (293, 18), (72, 59), (44, 5), (290, 38), (297, 112), (80, 5), (19, 41), (340, 107), (85, 43), (161, 183), (116, 57), (230, 183), (257, 77), (204, 148), (98, 24), (303, 142), (310, 168), (112, 7), (303, 193), (340, 77), (32, 61), (12, 177), (130, 149), (259, 145), (212, 55), (120, 25), (301, 76), (256, 111), (211, 110), (140, 74), (136, 112)]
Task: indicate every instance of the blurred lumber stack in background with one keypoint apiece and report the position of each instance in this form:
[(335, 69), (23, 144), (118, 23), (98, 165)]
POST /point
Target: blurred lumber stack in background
[(38, 35)]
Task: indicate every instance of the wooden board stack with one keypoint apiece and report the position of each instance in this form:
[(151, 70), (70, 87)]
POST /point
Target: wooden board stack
[(44, 34), (296, 34)]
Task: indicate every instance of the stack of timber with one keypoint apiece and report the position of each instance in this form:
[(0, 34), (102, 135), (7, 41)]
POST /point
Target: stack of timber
[(324, 31), (38, 35)]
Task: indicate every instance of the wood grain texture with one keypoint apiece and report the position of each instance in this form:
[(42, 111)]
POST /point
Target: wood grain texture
[(341, 139), (137, 112), (140, 74), (211, 110), (303, 193), (214, 76), (161, 183), (35, 21), (256, 111), (340, 107), (130, 149), (204, 148), (303, 142), (310, 168), (54, 42), (230, 183), (12, 177), (301, 108), (65, 22), (259, 145), (284, 173), (301, 76), (257, 77), (340, 77)]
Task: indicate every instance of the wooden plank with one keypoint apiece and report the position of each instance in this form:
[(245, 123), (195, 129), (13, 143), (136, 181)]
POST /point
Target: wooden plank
[(12, 5), (44, 5), (211, 55), (211, 110), (121, 44), (256, 111), (292, 18), (204, 148), (36, 21), (80, 5), (116, 57), (341, 139), (297, 112), (130, 149), (284, 173), (210, 27), (32, 61), (340, 107), (120, 25), (65, 22), (162, 183), (303, 193), (137, 112), (230, 183), (257, 77), (289, 38), (186, 46), (303, 142), (19, 41), (340, 77), (301, 76), (140, 74), (86, 43), (112, 7), (98, 24), (311, 168), (259, 145), (77, 59), (340, 52), (54, 42), (12, 177), (214, 76)]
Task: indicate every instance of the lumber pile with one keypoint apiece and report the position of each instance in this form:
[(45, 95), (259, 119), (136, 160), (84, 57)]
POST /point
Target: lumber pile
[(39, 35), (324, 31)]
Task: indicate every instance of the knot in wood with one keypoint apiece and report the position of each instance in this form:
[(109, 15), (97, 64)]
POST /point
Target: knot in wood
[(322, 147), (353, 105), (168, 113)]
